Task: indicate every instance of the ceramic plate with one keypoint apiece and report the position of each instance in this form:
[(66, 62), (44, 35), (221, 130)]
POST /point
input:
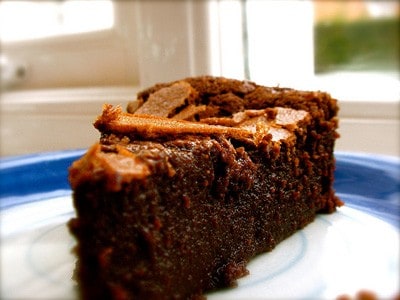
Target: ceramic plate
[(356, 248)]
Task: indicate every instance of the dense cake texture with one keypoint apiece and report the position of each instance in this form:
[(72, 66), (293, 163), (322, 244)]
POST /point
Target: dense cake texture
[(199, 176)]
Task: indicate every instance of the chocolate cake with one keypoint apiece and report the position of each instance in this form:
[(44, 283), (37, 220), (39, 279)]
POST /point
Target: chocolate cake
[(195, 179)]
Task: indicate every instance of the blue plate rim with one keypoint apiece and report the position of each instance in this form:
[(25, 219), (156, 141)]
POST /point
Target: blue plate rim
[(15, 160), (62, 159)]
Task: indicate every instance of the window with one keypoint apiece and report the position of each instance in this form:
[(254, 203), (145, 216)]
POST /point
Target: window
[(303, 44), (52, 44), (358, 42), (356, 36), (26, 20), (347, 47), (280, 49)]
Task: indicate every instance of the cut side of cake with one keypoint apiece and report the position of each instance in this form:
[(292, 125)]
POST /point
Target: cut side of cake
[(195, 179)]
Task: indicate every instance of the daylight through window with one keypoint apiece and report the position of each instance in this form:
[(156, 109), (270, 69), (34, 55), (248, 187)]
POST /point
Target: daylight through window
[(26, 20)]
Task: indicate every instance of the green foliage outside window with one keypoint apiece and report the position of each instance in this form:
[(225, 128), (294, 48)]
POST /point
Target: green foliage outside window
[(370, 44)]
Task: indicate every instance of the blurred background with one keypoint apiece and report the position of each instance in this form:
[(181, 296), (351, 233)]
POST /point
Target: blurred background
[(61, 60)]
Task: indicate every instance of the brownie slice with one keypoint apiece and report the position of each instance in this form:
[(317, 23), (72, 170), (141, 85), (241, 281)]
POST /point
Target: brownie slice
[(199, 176)]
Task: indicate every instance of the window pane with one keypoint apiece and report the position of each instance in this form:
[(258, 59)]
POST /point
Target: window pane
[(24, 20), (356, 35), (280, 41)]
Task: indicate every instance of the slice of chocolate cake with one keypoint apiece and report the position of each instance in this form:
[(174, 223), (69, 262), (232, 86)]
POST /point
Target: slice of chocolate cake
[(197, 178)]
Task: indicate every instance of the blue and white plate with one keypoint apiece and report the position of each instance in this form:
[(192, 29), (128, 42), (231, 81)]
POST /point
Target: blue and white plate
[(356, 248)]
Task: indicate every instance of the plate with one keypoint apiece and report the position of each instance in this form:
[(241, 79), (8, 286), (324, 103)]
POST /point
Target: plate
[(354, 249)]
